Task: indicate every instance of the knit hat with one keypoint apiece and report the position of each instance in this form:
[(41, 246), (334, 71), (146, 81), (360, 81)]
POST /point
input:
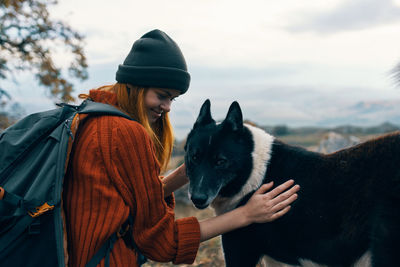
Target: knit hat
[(155, 60)]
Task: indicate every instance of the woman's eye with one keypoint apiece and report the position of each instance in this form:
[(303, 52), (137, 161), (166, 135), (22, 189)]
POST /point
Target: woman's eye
[(165, 97), (161, 97)]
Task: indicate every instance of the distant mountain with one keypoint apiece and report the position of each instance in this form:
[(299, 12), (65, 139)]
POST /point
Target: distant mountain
[(366, 113), (382, 128), (376, 106)]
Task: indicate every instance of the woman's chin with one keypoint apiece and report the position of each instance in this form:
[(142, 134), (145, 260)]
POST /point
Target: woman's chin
[(153, 119)]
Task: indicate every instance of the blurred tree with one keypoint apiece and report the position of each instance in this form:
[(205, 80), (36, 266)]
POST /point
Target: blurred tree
[(10, 111), (4, 120), (29, 40)]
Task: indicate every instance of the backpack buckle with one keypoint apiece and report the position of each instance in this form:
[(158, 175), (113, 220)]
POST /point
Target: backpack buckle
[(123, 230), (34, 228), (40, 210)]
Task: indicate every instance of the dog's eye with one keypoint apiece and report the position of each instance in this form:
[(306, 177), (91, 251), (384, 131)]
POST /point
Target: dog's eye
[(220, 162), (195, 157)]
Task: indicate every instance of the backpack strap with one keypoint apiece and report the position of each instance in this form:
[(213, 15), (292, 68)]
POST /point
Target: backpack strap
[(105, 250), (96, 108), (90, 107), (19, 227)]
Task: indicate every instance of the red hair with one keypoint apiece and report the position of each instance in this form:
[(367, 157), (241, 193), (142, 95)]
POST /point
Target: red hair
[(133, 103)]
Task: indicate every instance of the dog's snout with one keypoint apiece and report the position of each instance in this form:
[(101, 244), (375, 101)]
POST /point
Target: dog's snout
[(200, 200)]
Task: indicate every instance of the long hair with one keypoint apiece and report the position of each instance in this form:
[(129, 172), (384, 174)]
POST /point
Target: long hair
[(161, 133)]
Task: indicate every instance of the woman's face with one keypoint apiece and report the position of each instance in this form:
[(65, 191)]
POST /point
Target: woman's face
[(158, 101)]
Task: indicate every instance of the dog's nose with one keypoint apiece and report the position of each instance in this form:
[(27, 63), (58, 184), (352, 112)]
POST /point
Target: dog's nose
[(199, 200)]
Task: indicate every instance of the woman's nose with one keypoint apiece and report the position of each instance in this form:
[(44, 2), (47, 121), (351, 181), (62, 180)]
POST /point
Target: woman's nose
[(166, 106)]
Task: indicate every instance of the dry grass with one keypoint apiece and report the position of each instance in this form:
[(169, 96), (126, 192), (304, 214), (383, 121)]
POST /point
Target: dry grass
[(210, 252)]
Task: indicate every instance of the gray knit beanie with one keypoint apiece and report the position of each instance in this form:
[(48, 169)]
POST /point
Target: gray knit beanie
[(155, 60)]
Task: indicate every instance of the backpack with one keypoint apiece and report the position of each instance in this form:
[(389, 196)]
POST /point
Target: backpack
[(34, 156)]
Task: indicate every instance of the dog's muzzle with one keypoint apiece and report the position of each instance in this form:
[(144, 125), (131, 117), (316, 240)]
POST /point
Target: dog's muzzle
[(200, 201)]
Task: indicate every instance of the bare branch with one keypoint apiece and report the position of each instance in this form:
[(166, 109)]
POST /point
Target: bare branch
[(28, 41)]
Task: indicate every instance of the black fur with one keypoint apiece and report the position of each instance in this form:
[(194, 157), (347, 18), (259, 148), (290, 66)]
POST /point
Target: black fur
[(348, 203)]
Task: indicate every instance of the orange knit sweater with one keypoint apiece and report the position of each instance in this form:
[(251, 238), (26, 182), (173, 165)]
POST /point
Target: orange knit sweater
[(113, 172)]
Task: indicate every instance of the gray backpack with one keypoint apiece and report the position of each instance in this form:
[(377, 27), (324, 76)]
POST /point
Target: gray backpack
[(33, 161)]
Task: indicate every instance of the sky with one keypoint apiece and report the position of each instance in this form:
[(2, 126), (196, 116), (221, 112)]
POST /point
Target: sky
[(299, 63)]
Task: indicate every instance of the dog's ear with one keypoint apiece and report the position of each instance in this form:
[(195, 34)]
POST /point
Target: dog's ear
[(204, 117), (234, 118)]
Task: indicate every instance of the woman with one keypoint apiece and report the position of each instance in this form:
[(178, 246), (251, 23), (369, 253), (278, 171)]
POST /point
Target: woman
[(115, 167)]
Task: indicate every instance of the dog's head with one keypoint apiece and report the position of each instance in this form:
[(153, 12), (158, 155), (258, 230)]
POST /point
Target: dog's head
[(218, 155)]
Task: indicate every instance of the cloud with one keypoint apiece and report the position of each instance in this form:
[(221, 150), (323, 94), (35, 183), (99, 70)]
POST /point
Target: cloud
[(350, 15), (238, 50)]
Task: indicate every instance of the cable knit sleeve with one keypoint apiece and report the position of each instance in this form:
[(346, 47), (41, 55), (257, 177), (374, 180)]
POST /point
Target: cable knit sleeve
[(135, 172)]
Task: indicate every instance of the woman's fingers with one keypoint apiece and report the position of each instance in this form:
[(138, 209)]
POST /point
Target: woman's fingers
[(281, 188), (285, 195), (284, 203), (280, 213), (264, 188)]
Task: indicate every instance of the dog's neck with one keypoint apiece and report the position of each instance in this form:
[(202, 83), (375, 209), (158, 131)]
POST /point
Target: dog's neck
[(260, 157)]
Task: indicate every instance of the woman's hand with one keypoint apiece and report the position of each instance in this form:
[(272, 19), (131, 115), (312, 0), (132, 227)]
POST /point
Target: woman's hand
[(262, 207), (266, 206)]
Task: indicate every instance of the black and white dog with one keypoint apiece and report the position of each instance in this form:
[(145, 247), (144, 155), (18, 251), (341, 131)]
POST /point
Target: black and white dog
[(348, 207)]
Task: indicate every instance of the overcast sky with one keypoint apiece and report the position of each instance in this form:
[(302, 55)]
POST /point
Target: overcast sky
[(286, 62)]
